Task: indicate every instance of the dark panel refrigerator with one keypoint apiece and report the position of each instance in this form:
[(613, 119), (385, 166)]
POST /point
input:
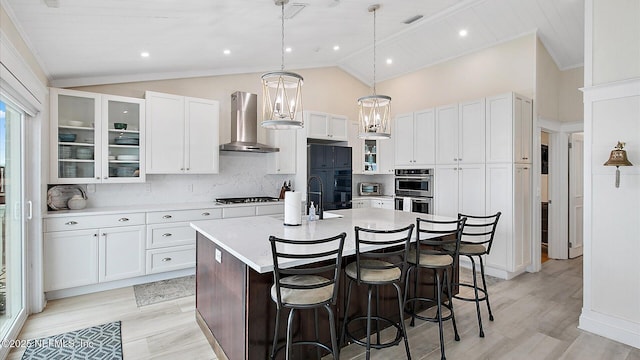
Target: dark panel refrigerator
[(332, 164)]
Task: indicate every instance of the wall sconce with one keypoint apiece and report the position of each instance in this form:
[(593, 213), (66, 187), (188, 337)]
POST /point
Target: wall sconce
[(618, 158)]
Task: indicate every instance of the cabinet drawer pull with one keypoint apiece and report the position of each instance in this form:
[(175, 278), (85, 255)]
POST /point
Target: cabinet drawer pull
[(205, 214), (167, 217), (166, 259), (71, 223), (167, 234), (123, 219)]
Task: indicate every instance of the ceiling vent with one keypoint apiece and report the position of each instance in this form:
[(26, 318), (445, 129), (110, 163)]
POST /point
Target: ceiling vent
[(412, 19)]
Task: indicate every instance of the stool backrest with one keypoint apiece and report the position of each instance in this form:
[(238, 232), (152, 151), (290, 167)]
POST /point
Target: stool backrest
[(480, 229), (390, 246), (319, 256), (439, 237)]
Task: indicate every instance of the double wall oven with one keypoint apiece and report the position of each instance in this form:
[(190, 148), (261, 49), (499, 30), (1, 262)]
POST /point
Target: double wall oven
[(414, 190)]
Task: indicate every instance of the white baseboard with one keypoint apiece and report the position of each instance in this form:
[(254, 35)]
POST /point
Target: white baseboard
[(81, 290), (489, 270), (616, 329)]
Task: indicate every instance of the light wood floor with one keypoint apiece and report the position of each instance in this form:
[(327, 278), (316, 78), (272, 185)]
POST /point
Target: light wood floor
[(536, 317)]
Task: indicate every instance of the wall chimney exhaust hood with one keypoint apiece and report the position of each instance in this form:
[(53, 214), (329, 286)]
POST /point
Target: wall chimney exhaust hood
[(244, 125)]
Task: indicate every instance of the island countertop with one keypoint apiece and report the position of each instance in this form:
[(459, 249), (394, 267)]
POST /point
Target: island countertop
[(247, 239)]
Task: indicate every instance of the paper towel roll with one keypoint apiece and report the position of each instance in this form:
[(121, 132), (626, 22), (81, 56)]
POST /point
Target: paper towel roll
[(292, 208), (406, 204)]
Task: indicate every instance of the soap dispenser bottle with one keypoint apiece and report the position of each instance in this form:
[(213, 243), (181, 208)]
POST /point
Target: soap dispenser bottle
[(312, 212)]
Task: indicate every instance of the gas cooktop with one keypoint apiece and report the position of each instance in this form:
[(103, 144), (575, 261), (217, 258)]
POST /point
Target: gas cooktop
[(242, 200)]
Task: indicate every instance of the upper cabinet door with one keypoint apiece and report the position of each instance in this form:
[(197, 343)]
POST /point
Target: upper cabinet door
[(316, 124), (123, 150), (424, 138), (499, 129), (338, 128), (404, 135), (283, 161), (471, 141), (447, 134), (202, 136), (76, 136), (165, 133), (524, 132)]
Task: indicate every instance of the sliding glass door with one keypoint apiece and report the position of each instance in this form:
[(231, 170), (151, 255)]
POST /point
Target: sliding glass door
[(12, 230)]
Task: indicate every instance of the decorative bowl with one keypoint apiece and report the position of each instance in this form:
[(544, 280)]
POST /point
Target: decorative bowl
[(67, 137), (120, 126), (128, 157)]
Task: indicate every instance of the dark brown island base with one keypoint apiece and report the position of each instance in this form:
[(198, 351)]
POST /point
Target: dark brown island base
[(234, 276)]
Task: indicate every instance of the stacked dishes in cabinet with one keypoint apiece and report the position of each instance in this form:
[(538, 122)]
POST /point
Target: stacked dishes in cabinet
[(124, 152), (76, 149)]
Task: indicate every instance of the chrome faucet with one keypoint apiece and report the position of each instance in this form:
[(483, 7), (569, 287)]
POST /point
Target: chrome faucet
[(320, 204)]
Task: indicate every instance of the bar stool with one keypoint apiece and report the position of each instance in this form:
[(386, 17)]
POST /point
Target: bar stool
[(381, 259), (306, 287), (432, 253), (477, 237)]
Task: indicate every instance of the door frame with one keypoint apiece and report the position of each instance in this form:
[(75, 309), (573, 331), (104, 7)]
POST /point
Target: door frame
[(558, 228)]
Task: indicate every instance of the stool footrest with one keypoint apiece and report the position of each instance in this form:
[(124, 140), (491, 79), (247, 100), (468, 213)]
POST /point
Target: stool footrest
[(480, 290), (304, 342), (427, 318), (375, 345)]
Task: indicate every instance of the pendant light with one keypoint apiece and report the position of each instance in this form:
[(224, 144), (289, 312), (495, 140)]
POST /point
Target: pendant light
[(374, 110), (282, 94)]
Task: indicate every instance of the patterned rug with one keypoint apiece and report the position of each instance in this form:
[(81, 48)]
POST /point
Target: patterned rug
[(165, 290), (102, 342)]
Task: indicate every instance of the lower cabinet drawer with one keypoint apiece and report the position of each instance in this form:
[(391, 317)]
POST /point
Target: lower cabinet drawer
[(239, 211), (173, 258), (163, 235)]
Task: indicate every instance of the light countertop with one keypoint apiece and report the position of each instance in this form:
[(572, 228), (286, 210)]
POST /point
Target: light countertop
[(248, 238)]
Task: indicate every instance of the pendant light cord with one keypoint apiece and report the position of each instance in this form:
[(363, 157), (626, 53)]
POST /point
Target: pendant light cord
[(374, 52), (282, 64)]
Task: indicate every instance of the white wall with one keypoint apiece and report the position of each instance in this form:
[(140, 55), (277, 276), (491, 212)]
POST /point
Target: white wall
[(611, 305)]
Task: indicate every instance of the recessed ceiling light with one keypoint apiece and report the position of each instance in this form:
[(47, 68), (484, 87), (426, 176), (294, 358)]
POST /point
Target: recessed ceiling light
[(226, 51), (336, 48), (288, 49), (144, 54), (389, 61), (463, 32)]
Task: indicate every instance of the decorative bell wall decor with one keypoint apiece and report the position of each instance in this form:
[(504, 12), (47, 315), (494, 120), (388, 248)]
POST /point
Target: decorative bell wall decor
[(617, 158)]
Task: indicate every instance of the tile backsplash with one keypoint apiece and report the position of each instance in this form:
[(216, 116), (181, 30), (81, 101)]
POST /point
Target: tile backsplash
[(241, 174)]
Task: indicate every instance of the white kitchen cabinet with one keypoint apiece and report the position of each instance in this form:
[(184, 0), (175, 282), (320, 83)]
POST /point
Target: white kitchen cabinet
[(360, 203), (508, 190), (122, 253), (97, 152), (460, 133), (415, 144), (386, 165), (171, 240), (382, 203), (326, 126), (70, 259), (283, 161), (509, 128), (459, 189), (182, 134), (85, 250)]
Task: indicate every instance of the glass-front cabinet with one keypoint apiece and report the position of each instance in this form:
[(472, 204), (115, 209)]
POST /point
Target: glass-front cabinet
[(96, 138), (370, 154)]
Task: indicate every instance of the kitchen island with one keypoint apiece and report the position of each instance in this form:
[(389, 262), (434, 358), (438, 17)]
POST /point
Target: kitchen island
[(234, 275)]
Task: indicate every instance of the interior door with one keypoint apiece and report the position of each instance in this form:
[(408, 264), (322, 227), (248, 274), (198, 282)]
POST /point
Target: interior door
[(576, 194)]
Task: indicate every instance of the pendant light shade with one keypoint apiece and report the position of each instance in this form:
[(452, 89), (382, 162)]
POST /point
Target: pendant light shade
[(374, 111), (282, 94)]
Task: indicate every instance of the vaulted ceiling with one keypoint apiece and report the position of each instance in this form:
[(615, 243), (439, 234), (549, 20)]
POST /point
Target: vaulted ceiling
[(80, 42)]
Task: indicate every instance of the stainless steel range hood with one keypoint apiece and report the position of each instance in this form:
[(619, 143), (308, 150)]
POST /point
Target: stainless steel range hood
[(244, 125)]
